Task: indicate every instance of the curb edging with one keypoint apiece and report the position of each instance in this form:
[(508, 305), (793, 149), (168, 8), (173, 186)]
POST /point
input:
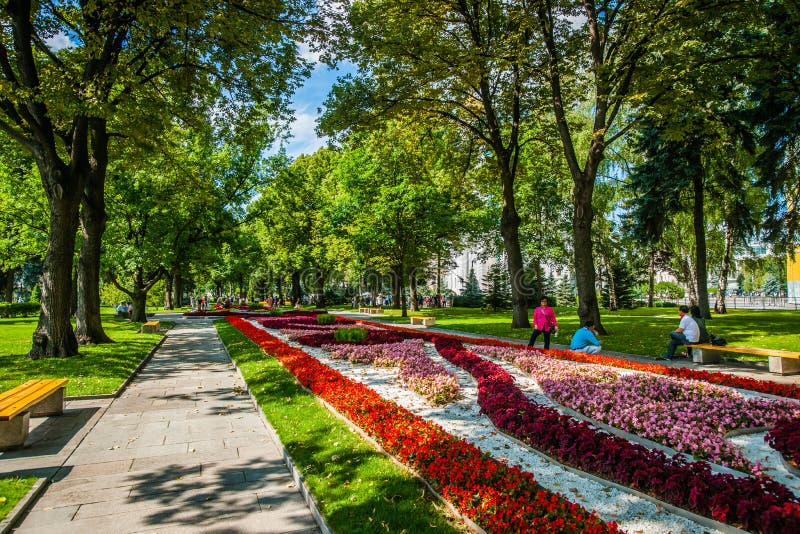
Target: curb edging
[(22, 506)]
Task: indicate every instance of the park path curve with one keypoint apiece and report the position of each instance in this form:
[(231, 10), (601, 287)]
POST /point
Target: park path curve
[(182, 450)]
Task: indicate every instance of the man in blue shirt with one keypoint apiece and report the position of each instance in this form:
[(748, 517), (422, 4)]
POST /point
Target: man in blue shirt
[(585, 339)]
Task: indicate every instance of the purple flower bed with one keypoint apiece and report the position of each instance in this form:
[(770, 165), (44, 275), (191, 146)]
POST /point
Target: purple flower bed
[(418, 372), (688, 415), (758, 504), (374, 337)]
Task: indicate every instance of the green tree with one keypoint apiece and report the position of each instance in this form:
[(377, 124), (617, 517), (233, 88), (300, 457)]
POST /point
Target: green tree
[(471, 294), (497, 288)]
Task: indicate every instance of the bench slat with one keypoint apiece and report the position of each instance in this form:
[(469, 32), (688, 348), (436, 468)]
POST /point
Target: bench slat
[(748, 350), (20, 398)]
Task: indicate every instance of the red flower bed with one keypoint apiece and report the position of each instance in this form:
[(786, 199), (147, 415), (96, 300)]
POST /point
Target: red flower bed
[(499, 497), (785, 438), (757, 504), (791, 391)]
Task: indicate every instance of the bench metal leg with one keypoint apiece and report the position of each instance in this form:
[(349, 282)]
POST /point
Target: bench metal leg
[(53, 404), (783, 366), (14, 432), (705, 355)]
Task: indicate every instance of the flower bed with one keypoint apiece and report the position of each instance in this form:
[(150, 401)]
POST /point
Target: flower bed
[(687, 415), (418, 372), (791, 391), (374, 337), (499, 497), (785, 438), (758, 504), (218, 313)]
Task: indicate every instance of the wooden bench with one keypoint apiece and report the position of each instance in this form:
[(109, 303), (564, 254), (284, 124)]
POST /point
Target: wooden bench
[(370, 311), (424, 321), (782, 362), (35, 398), (150, 327)]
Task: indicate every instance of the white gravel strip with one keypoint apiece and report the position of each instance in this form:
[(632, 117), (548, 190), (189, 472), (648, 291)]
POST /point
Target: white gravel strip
[(757, 450), (464, 420)]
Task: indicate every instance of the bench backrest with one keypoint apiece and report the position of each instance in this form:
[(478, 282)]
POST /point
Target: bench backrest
[(19, 399)]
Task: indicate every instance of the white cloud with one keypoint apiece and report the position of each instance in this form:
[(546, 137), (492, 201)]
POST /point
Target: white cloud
[(308, 54), (304, 137), (59, 41)]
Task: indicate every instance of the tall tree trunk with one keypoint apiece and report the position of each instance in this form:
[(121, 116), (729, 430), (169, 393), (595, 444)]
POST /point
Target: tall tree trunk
[(438, 277), (319, 288), (719, 305), (281, 296), (168, 305), (701, 262), (509, 230), (297, 290), (651, 278), (537, 271), (397, 300), (177, 288), (139, 313), (89, 325), (73, 298), (412, 283), (612, 286), (583, 214), (401, 282), (54, 337), (8, 285)]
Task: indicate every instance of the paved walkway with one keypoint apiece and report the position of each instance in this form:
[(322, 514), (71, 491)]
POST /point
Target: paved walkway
[(757, 370), (182, 450)]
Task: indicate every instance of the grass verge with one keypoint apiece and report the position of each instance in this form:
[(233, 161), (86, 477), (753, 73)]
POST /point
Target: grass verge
[(642, 331), (12, 490), (357, 488), (97, 370)]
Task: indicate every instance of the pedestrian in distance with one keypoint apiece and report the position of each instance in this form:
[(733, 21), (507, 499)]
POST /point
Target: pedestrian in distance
[(544, 322)]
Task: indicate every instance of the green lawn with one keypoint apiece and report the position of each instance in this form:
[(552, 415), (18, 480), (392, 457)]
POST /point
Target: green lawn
[(642, 331), (357, 488), (98, 369), (12, 490)]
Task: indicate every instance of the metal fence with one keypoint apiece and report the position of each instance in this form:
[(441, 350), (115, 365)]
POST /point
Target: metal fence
[(751, 303)]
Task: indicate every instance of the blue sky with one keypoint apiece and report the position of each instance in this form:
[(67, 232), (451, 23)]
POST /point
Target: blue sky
[(307, 102)]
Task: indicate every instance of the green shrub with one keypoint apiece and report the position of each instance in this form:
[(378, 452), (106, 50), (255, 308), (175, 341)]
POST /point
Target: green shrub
[(274, 313), (663, 304), (352, 335), (255, 306), (19, 309), (326, 318)]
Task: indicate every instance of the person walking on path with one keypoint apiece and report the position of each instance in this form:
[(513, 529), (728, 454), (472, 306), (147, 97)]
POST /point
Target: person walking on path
[(585, 339), (687, 332), (544, 322)]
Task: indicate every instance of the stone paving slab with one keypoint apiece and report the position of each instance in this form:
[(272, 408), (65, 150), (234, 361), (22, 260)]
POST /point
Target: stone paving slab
[(181, 450)]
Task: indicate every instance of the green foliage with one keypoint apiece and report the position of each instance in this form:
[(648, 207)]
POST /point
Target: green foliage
[(325, 318), (565, 291), (352, 335), (471, 295), (669, 290), (497, 288), (625, 287), (36, 293), (773, 287), (110, 295), (19, 309)]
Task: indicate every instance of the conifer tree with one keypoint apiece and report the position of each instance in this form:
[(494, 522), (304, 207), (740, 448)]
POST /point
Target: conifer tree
[(471, 294), (498, 288)]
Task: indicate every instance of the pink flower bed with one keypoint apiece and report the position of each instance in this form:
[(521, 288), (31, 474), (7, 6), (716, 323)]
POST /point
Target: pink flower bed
[(688, 415)]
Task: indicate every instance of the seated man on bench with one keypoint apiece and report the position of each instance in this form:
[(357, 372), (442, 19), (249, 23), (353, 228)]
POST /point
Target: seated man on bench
[(687, 332)]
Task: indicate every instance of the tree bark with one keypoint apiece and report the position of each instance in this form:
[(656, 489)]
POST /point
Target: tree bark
[(8, 285), (401, 280), (585, 276), (412, 284), (651, 278), (297, 290), (168, 305), (177, 288), (89, 325), (397, 300), (139, 299), (509, 230), (54, 336), (720, 305), (701, 261)]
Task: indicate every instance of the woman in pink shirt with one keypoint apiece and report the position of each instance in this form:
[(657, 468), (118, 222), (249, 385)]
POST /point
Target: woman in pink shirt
[(544, 322)]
